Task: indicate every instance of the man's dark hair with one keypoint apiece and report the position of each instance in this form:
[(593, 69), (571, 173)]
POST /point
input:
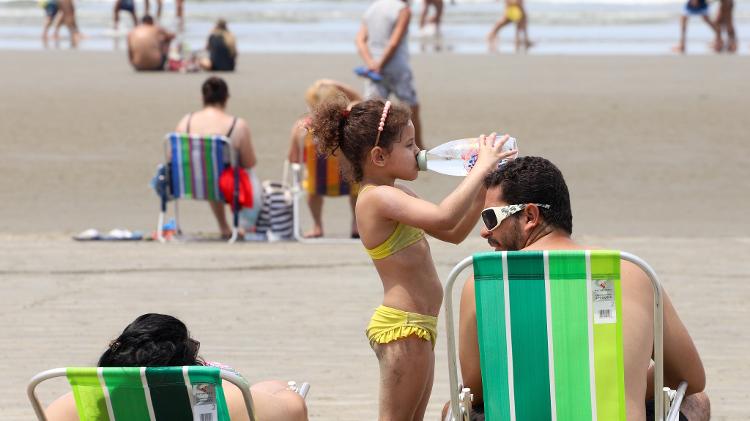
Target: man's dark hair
[(532, 179), (147, 19), (215, 91)]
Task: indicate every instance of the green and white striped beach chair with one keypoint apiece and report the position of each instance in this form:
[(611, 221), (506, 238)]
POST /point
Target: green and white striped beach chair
[(549, 326), (146, 393), (192, 171)]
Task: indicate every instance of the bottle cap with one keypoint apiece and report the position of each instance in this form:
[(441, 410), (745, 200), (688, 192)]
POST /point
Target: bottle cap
[(422, 160)]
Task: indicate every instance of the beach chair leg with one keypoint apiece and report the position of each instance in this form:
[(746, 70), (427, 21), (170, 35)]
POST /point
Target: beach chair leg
[(177, 226), (296, 218), (160, 228), (465, 398)]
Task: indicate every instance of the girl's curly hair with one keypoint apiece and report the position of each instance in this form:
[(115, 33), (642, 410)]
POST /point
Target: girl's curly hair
[(354, 132)]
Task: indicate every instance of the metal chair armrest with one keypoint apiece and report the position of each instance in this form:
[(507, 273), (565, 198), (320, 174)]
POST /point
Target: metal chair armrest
[(674, 409), (31, 389)]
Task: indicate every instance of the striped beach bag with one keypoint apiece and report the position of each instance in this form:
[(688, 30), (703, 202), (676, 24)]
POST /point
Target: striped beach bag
[(549, 325), (276, 219)]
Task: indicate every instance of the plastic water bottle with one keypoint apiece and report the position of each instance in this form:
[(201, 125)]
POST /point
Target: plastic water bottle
[(456, 157)]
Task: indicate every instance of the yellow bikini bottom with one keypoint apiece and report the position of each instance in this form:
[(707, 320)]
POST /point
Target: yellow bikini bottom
[(390, 324)]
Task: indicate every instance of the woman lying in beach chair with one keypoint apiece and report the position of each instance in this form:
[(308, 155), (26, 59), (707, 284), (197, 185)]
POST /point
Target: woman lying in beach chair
[(323, 174), (183, 387)]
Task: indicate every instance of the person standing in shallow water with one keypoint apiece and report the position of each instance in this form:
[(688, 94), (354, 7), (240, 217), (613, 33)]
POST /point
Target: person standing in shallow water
[(725, 23), (378, 140)]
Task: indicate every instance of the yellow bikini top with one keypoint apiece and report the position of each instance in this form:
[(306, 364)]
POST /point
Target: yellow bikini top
[(402, 237)]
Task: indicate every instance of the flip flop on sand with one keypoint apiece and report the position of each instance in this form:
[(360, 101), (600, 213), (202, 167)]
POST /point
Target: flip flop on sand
[(116, 234), (87, 235), (363, 71)]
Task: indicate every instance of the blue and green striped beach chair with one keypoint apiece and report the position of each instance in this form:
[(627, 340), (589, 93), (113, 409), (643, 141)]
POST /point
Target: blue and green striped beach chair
[(549, 325), (192, 170), (146, 393)]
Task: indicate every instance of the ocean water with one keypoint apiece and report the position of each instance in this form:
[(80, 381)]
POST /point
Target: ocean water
[(313, 26)]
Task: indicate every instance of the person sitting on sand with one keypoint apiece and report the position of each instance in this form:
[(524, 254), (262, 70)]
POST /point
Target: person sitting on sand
[(325, 177), (127, 6), (222, 49), (214, 120), (378, 140), (148, 45), (530, 181), (697, 8), (515, 13), (159, 340)]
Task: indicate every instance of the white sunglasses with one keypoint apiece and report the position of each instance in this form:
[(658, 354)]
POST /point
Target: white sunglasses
[(493, 216)]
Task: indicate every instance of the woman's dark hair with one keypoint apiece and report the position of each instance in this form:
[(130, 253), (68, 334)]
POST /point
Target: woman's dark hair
[(532, 179), (354, 132), (152, 340), (215, 91), (221, 25)]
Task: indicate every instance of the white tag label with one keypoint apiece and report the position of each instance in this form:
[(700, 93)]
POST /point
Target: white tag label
[(205, 402), (603, 301)]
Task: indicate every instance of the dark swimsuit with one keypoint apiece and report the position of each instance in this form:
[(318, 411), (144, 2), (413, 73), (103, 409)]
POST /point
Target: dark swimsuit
[(221, 57), (127, 5), (229, 133)]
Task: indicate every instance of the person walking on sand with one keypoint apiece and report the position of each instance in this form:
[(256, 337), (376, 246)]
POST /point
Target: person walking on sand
[(148, 45), (382, 42), (697, 8), (379, 141), (725, 23), (514, 13)]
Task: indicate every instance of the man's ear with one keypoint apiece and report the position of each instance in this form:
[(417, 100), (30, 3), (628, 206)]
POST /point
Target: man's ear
[(532, 217), (378, 156)]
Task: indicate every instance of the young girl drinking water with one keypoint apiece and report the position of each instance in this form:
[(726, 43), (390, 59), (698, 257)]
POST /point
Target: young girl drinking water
[(377, 140)]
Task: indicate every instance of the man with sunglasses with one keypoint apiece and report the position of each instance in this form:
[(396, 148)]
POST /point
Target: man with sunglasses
[(527, 207)]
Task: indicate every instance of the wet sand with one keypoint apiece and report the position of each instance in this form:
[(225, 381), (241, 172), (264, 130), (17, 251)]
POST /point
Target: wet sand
[(654, 150)]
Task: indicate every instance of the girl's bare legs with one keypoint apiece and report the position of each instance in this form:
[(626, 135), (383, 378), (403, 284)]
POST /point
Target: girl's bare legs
[(406, 371)]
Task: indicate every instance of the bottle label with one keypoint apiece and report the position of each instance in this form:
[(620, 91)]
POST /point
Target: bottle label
[(470, 159)]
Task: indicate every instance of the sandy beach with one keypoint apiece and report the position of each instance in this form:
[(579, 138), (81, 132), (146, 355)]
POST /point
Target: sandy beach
[(654, 150)]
